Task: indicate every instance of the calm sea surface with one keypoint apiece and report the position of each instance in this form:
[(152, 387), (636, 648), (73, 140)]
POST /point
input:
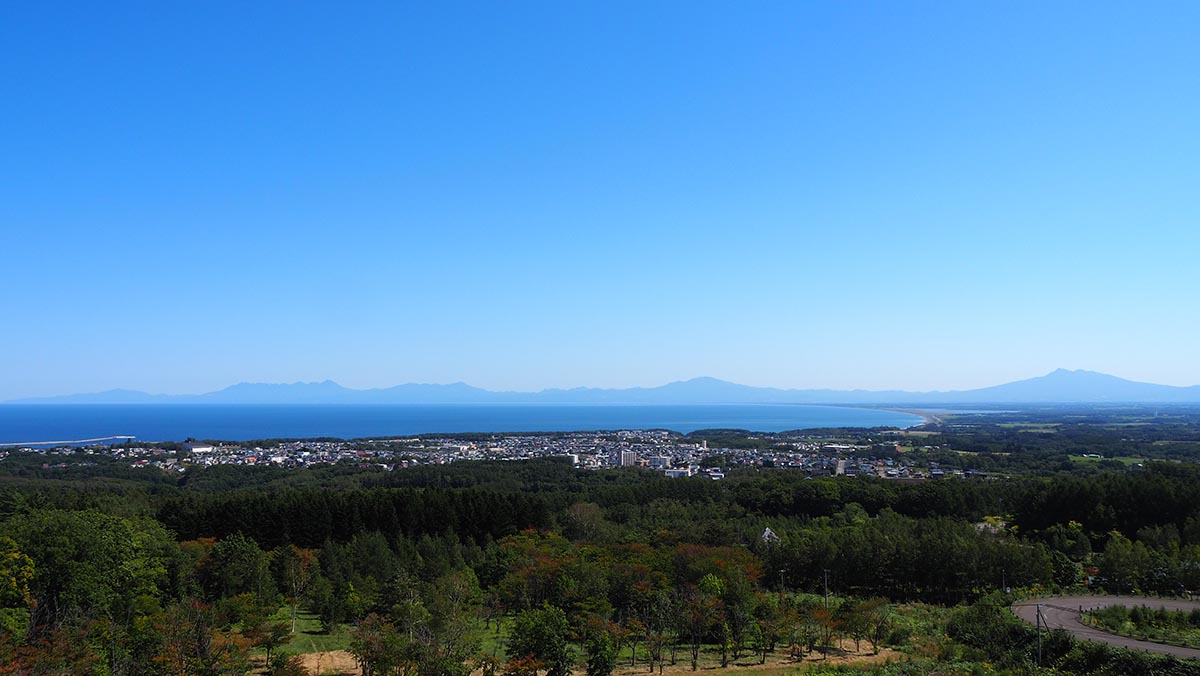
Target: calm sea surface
[(32, 423)]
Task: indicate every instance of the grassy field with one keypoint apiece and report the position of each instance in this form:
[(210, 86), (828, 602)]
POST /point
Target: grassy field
[(1044, 428), (1126, 459), (491, 642), (309, 638)]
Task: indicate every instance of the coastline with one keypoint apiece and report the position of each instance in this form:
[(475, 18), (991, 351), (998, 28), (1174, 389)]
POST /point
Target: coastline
[(929, 417), (248, 422)]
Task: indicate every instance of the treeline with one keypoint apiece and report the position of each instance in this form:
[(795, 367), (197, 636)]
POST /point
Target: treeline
[(309, 518), (120, 578), (87, 592), (82, 592), (785, 493), (1157, 504), (1165, 494), (938, 559)]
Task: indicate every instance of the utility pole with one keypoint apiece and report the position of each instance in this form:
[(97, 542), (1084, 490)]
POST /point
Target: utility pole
[(826, 589), (1039, 629)]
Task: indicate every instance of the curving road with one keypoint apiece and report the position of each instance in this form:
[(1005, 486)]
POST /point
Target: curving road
[(1063, 613)]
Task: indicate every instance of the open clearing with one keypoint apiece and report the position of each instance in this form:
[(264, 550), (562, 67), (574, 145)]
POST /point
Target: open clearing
[(341, 663), (1126, 459)]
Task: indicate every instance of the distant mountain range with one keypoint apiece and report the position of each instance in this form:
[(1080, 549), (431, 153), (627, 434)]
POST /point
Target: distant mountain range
[(1061, 386)]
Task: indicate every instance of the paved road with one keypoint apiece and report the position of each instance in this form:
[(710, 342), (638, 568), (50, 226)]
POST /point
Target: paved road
[(1063, 613)]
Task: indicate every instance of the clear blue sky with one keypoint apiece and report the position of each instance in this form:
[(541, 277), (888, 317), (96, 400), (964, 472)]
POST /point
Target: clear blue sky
[(524, 195)]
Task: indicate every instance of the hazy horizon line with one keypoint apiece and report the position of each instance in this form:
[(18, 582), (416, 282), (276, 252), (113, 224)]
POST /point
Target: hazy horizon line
[(461, 383)]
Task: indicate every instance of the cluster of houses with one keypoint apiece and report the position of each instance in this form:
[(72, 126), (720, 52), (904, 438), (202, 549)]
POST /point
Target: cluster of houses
[(661, 451)]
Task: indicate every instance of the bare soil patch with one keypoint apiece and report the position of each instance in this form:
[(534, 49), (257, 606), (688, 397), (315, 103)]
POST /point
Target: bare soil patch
[(336, 662), (341, 663)]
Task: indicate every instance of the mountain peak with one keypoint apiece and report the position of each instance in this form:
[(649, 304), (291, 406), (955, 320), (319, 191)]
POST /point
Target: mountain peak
[(1082, 374)]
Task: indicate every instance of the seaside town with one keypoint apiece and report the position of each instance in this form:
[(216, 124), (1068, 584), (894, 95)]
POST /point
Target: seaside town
[(660, 451)]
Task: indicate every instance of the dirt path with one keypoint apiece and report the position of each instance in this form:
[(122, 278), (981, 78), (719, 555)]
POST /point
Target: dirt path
[(1064, 613), (342, 663)]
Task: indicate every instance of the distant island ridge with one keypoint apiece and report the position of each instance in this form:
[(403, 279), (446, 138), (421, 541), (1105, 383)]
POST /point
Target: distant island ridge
[(1061, 386)]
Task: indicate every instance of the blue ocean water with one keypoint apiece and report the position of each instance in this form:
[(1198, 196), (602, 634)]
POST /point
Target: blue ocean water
[(175, 422)]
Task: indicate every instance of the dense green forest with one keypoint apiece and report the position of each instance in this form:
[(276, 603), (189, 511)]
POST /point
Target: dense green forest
[(538, 568)]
